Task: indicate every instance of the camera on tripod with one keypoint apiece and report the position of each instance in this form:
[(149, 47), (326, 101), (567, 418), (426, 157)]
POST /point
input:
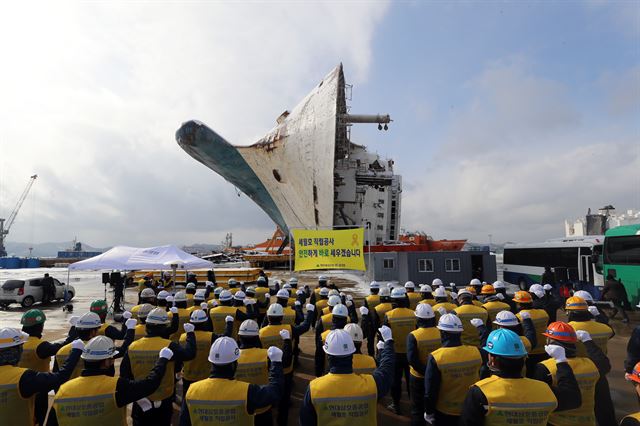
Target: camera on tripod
[(116, 280)]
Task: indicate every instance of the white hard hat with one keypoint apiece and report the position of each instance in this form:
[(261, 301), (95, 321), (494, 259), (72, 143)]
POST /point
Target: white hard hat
[(199, 294), (239, 295), (251, 289), (224, 351), (340, 310), (475, 281), (158, 316), (384, 292), (539, 293), (464, 292), (180, 296), (333, 292), (198, 316), (191, 286), (334, 300), (287, 286), (98, 348), (440, 292), (498, 284), (547, 287), (535, 287), (162, 295), (398, 293), (225, 295), (424, 310), (450, 323), (409, 284), (324, 291), (436, 282), (425, 288), (282, 294), (231, 281), (293, 280), (218, 290), (374, 284), (147, 292), (322, 278), (208, 283), (584, 294), (144, 310), (339, 343), (261, 278), (12, 337), (88, 321), (506, 318), (249, 328), (275, 310), (354, 331)]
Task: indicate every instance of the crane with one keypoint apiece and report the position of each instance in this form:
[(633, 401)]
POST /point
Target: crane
[(12, 217)]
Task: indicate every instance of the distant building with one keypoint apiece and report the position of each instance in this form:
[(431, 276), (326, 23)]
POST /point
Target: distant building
[(598, 223)]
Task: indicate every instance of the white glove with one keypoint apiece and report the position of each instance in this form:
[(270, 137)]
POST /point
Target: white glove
[(349, 303), (454, 294), (429, 418), (389, 286), (214, 303), (173, 310), (525, 315), (310, 307), (297, 303), (249, 301), (74, 320), (556, 352), (77, 344), (594, 311), (169, 299), (477, 322), (349, 297), (131, 323), (583, 336), (364, 310), (285, 334), (500, 296), (442, 311), (274, 354), (126, 315), (267, 296), (627, 377), (188, 327), (209, 284), (167, 353), (204, 305), (228, 318), (380, 345), (385, 332)]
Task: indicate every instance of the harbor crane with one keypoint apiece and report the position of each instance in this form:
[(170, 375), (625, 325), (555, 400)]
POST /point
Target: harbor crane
[(4, 231)]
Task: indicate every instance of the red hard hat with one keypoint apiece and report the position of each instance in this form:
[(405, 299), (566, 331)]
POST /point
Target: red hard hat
[(561, 331), (635, 374)]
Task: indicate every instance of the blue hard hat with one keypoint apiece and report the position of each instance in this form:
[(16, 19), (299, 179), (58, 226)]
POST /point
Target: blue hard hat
[(503, 342)]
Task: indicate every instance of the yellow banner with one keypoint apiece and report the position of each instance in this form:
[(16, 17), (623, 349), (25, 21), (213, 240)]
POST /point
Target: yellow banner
[(329, 249)]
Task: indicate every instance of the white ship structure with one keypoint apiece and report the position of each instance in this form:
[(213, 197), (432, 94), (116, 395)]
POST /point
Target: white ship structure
[(598, 223)]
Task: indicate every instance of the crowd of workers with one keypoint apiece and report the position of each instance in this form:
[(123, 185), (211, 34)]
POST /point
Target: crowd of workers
[(474, 356)]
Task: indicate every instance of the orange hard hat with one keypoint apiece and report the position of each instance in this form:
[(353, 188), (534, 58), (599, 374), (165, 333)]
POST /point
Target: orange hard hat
[(522, 297), (471, 290), (635, 374), (561, 331), (576, 303), (149, 274), (488, 289)]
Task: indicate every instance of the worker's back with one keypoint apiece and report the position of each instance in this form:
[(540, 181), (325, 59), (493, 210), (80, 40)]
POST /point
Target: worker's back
[(89, 400), (600, 333), (402, 322), (334, 397), (466, 313), (459, 369)]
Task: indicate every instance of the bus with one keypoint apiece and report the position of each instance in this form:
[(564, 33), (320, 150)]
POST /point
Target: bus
[(621, 258), (572, 260)]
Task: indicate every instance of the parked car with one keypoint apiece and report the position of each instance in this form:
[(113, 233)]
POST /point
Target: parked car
[(29, 291)]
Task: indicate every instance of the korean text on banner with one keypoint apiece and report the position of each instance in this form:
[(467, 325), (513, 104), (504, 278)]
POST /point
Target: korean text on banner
[(329, 249)]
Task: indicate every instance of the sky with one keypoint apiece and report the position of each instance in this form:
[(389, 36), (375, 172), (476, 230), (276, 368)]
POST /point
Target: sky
[(509, 117)]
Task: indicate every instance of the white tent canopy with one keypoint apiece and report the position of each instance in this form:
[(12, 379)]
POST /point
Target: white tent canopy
[(149, 258)]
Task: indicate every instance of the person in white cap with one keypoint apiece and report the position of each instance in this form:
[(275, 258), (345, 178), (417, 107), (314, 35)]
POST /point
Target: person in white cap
[(420, 343), (227, 308), (414, 298), (97, 397), (450, 371), (426, 292), (362, 364), (146, 296), (338, 318), (442, 302), (179, 308), (322, 299), (466, 312), (597, 314), (501, 289), (342, 395), (373, 299), (222, 398), (140, 360)]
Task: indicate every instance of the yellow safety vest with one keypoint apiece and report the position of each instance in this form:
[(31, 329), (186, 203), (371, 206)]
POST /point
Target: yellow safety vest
[(62, 355), (587, 375), (428, 340), (373, 300), (414, 299), (631, 419), (218, 314), (134, 311), (189, 300), (449, 307), (291, 302), (183, 317), (363, 364), (253, 368), (477, 303), (289, 316), (459, 368), (199, 367), (270, 336), (382, 309), (321, 304), (526, 343), (517, 401), (327, 321), (89, 400), (430, 302), (29, 358), (103, 329), (219, 402), (140, 331), (14, 409), (469, 333), (600, 333), (341, 399), (260, 292), (494, 307), (143, 355), (540, 320), (233, 290), (194, 308), (402, 322)]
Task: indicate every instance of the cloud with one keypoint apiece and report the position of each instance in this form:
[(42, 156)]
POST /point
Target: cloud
[(93, 94), (623, 92)]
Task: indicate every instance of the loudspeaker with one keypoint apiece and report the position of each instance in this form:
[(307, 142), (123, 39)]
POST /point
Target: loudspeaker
[(105, 278)]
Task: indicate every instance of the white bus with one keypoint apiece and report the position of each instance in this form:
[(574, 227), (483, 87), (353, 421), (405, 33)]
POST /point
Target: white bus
[(572, 259)]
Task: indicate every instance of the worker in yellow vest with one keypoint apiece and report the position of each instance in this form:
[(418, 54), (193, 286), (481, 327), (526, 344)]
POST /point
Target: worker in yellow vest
[(37, 353), (378, 313), (322, 283), (190, 291), (253, 364), (97, 397), (507, 397), (540, 318), (634, 377), (146, 296), (18, 385), (166, 282), (466, 312), (233, 285), (442, 302), (337, 319), (362, 364), (199, 301), (597, 314), (100, 307), (222, 398), (477, 286), (402, 321), (426, 294), (142, 313), (140, 359), (227, 308), (333, 301), (586, 370), (370, 302), (414, 298), (501, 293), (322, 299), (263, 294), (290, 316), (161, 298), (180, 307), (450, 371), (292, 295), (420, 343), (343, 397), (146, 281), (493, 305)]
